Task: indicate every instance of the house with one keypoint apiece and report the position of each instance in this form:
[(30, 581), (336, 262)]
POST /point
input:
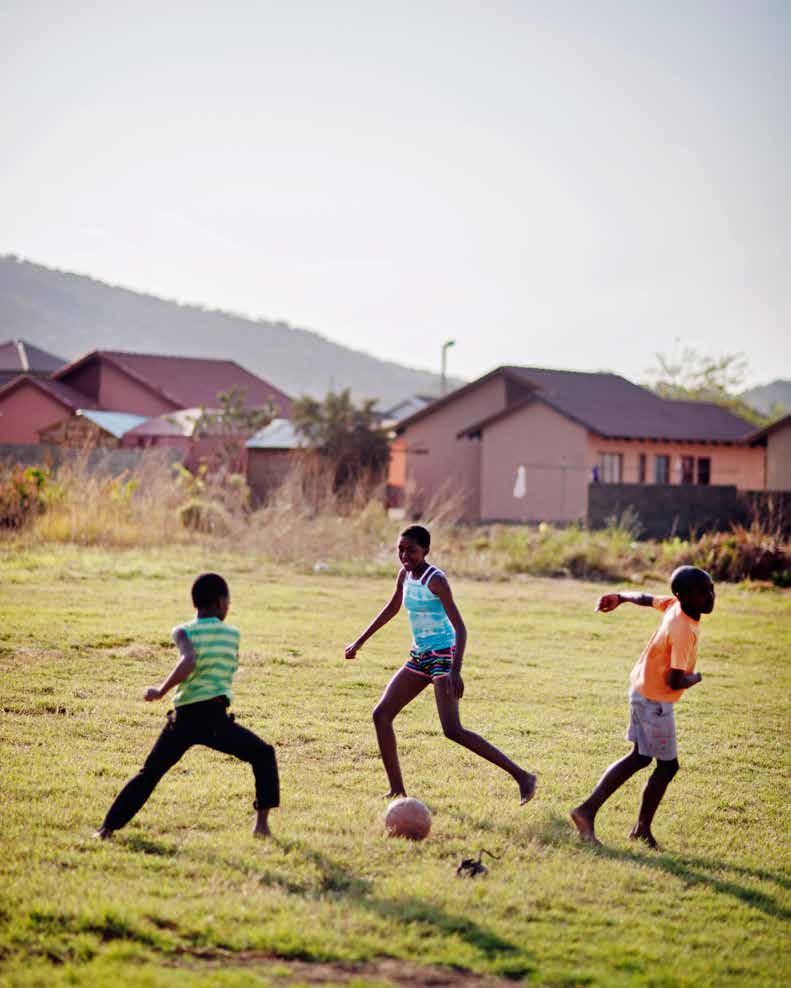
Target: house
[(88, 427), (776, 442), (523, 443), (270, 455), (20, 357), (147, 385)]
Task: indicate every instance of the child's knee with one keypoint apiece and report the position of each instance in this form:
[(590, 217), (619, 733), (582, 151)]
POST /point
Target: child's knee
[(381, 716), (667, 768), (453, 732)]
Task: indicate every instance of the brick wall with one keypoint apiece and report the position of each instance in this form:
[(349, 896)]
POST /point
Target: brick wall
[(667, 509)]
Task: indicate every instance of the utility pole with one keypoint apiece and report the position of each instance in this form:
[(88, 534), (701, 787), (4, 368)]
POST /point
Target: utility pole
[(445, 346)]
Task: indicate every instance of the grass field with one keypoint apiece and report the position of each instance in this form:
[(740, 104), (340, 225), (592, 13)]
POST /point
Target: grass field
[(185, 896)]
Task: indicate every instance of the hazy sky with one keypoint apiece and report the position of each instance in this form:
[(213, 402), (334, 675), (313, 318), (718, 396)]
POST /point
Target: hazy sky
[(566, 184)]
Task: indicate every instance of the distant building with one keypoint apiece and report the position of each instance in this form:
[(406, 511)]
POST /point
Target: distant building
[(90, 428), (776, 442), (523, 443), (20, 357), (270, 455)]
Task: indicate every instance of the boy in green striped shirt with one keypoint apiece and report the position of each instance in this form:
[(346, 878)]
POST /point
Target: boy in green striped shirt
[(208, 658)]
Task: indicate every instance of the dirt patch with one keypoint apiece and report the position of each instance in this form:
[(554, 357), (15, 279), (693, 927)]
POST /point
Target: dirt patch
[(386, 971)]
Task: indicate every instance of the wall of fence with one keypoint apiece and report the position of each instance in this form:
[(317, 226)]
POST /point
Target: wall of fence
[(104, 460), (664, 510)]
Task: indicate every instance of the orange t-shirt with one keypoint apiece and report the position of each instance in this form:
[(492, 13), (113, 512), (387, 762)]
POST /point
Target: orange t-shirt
[(674, 645)]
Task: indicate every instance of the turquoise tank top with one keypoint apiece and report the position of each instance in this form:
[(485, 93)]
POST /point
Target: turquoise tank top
[(431, 629)]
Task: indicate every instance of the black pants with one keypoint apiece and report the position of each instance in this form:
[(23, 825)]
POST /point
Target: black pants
[(205, 723)]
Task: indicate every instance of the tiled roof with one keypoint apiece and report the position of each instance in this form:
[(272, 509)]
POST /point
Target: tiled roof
[(188, 381), (21, 357), (607, 405), (611, 406), (68, 397)]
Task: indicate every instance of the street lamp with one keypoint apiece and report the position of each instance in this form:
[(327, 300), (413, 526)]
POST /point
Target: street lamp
[(445, 346)]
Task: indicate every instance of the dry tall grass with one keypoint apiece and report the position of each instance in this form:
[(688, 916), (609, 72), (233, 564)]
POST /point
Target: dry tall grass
[(309, 524)]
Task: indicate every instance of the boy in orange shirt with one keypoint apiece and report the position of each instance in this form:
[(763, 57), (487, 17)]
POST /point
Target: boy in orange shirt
[(664, 670)]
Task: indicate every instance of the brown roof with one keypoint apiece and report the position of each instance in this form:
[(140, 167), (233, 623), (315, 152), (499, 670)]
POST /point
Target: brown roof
[(187, 382), (607, 405), (767, 430), (67, 396), (20, 357)]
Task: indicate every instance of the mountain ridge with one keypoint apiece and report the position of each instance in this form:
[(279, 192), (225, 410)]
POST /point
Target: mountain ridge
[(70, 314)]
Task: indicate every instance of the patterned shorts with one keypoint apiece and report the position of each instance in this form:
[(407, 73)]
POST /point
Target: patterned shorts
[(432, 664), (652, 727)]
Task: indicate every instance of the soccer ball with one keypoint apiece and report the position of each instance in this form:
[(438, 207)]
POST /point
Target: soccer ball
[(407, 817)]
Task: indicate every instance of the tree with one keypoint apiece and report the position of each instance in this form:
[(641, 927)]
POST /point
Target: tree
[(232, 423), (350, 437), (695, 377)]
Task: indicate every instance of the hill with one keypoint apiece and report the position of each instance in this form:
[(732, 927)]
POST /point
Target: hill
[(768, 398), (70, 314)]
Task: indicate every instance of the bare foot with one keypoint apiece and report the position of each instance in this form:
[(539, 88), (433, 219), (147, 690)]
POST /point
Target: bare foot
[(102, 834), (396, 794), (527, 787), (583, 821), (261, 828), (645, 835)]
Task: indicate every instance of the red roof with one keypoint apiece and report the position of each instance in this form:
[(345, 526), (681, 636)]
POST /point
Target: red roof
[(20, 357), (187, 382), (67, 396)]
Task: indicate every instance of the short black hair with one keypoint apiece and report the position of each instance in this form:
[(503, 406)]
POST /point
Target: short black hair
[(208, 590), (418, 534), (688, 579)]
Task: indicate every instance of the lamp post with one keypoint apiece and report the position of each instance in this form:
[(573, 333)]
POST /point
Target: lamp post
[(445, 346)]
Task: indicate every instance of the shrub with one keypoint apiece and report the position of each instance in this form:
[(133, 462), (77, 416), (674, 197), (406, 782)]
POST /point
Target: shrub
[(23, 494)]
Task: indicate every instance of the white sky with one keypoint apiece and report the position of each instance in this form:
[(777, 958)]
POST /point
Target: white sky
[(566, 184)]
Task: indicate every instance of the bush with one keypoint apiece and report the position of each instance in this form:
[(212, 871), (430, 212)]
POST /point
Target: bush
[(23, 494)]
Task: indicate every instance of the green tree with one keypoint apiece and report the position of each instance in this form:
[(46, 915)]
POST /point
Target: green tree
[(692, 376), (232, 423), (348, 436)]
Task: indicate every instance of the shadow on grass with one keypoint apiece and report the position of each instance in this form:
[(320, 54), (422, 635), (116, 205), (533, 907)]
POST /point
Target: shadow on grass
[(337, 880), (144, 845), (559, 832)]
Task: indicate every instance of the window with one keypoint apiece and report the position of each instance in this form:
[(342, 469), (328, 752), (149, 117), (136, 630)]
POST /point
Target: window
[(704, 470), (611, 467), (662, 469), (688, 469), (641, 468)]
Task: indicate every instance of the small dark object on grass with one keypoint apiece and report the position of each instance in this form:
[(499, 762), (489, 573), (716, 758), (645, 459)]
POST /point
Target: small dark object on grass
[(470, 867)]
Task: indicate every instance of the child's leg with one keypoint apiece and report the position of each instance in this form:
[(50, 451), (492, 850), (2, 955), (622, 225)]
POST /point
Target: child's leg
[(612, 780), (226, 735), (170, 746), (654, 790), (448, 708), (401, 690)]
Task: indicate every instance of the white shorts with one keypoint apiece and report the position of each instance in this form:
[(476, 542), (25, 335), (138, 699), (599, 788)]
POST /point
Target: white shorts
[(652, 727)]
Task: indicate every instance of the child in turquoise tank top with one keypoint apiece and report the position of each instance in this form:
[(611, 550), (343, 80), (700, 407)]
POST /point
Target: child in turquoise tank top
[(439, 638)]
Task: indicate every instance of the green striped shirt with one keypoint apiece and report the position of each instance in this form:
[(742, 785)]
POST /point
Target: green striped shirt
[(217, 656)]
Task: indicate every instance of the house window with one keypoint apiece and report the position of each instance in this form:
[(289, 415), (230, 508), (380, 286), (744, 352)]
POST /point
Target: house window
[(704, 470), (641, 468), (688, 469), (662, 469), (611, 468)]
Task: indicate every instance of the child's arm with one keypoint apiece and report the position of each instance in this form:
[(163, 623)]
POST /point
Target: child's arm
[(440, 586), (680, 680), (388, 612), (612, 600), (181, 670)]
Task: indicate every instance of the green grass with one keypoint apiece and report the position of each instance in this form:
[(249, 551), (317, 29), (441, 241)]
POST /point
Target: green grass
[(185, 896)]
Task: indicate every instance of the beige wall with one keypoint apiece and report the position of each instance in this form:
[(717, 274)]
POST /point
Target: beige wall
[(440, 465), (778, 459), (741, 466), (553, 451)]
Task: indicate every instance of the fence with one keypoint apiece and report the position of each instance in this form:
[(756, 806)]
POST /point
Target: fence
[(685, 509), (104, 460)]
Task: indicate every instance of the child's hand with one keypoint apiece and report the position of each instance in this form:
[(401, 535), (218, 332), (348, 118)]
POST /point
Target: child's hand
[(455, 685), (608, 602), (350, 651), (152, 693)]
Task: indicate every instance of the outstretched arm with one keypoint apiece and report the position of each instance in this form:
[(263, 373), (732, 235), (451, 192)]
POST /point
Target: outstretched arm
[(612, 600), (180, 671), (440, 586), (387, 613)]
